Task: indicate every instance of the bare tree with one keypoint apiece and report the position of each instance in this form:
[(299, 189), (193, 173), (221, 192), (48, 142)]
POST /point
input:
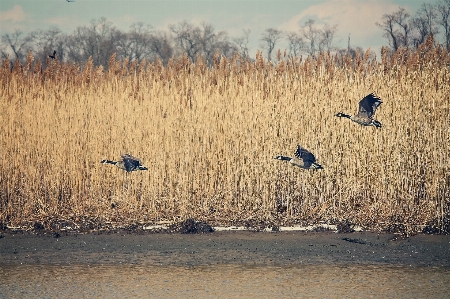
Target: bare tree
[(429, 13), (3, 51), (424, 23), (401, 18), (17, 44), (161, 46), (296, 43), (135, 44), (185, 38), (124, 45), (201, 40), (317, 39), (396, 28), (98, 40), (140, 36), (45, 42), (326, 36), (225, 47), (310, 33), (207, 39), (443, 10), (242, 43), (270, 37)]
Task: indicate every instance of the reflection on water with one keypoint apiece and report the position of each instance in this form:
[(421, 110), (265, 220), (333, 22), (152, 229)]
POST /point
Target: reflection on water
[(222, 281)]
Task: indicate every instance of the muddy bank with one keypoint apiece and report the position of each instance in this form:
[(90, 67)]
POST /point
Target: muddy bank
[(239, 247)]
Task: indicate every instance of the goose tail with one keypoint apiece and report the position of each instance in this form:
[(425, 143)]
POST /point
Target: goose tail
[(316, 166), (376, 123)]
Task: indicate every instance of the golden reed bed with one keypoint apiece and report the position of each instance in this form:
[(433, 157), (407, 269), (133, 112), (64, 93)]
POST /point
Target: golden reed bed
[(209, 136)]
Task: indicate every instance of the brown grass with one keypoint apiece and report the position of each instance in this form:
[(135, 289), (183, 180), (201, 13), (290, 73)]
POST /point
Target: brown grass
[(209, 135)]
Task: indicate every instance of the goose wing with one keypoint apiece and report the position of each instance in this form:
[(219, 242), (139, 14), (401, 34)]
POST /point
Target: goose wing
[(304, 154), (131, 162), (368, 105)]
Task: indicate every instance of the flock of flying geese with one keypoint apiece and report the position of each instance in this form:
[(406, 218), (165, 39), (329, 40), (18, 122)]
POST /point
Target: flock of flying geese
[(367, 107), (302, 157)]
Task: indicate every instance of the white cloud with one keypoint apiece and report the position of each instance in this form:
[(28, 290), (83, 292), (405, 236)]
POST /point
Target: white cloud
[(15, 14), (68, 23), (354, 17)]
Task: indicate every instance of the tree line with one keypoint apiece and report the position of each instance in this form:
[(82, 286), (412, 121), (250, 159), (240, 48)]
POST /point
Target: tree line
[(403, 30), (100, 39)]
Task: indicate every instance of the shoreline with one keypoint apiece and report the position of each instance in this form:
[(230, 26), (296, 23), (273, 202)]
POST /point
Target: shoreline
[(192, 226)]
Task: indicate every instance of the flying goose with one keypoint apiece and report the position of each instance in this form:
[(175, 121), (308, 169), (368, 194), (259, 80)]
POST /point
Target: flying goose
[(53, 56), (303, 159), (367, 107), (128, 163)]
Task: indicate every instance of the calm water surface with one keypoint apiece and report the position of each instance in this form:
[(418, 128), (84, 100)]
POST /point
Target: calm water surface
[(223, 281)]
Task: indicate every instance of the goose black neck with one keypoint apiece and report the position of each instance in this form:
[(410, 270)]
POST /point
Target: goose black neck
[(284, 158), (344, 115)]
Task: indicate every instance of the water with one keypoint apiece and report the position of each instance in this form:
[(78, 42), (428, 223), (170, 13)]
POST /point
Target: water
[(224, 265), (223, 281)]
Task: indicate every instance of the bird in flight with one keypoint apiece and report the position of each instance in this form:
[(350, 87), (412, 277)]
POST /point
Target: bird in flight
[(128, 163), (53, 56), (367, 107), (302, 158)]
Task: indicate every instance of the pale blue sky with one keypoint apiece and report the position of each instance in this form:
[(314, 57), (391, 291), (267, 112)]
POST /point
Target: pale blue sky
[(355, 17)]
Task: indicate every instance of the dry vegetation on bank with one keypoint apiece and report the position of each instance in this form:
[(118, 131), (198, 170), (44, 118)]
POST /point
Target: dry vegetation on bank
[(209, 135)]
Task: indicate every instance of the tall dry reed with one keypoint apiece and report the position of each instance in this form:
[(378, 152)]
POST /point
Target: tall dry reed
[(209, 135)]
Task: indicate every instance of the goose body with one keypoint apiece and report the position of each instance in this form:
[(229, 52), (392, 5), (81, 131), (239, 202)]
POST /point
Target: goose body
[(128, 163), (302, 158), (367, 107)]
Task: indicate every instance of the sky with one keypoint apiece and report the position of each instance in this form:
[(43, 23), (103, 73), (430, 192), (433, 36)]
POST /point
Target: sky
[(354, 17)]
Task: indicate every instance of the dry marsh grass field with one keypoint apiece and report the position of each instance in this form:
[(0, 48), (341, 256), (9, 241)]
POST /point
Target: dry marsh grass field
[(209, 135)]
